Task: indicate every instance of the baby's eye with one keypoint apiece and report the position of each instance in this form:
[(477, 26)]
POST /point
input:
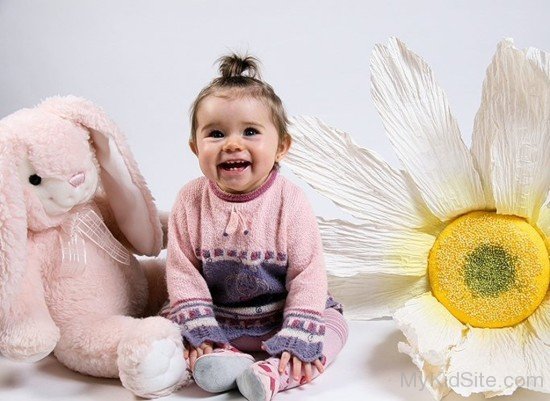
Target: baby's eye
[(215, 134), (250, 132)]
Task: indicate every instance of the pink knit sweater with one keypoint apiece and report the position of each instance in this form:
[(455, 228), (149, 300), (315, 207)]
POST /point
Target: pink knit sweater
[(247, 265)]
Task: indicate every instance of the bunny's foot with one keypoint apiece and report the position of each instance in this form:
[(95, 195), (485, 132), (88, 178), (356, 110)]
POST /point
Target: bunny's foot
[(150, 359), (28, 341)]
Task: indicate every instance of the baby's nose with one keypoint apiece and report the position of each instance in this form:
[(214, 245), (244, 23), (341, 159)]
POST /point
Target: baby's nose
[(233, 145)]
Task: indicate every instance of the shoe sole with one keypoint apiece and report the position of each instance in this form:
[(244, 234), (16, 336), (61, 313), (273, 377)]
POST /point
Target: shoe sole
[(251, 387), (212, 377)]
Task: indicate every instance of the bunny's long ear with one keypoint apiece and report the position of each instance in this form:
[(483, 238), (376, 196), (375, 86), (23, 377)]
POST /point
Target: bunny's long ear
[(128, 196), (13, 225)]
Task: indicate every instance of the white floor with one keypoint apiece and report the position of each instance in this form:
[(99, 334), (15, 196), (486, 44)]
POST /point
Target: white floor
[(370, 367)]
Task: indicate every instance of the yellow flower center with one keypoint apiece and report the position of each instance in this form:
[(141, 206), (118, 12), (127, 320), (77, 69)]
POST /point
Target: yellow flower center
[(489, 270)]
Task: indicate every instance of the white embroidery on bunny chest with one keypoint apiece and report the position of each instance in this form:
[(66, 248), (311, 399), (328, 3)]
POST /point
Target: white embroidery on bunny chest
[(88, 225)]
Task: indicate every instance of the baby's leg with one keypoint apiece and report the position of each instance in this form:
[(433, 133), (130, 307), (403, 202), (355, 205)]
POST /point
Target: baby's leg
[(262, 380)]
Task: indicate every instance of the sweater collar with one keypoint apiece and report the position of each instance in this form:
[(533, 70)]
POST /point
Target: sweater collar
[(239, 198)]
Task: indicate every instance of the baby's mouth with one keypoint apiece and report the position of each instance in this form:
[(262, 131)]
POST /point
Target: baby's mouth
[(234, 165)]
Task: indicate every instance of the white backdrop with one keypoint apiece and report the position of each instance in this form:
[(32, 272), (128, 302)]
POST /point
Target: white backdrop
[(145, 61)]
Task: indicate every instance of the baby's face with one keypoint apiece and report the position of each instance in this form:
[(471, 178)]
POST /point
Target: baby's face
[(236, 142)]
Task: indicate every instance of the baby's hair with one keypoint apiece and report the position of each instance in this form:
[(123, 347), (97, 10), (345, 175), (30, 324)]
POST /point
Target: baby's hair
[(241, 76), (235, 66)]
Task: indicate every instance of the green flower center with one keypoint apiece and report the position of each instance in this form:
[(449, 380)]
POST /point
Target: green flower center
[(489, 271)]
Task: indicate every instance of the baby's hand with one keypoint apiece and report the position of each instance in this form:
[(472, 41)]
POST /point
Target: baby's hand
[(297, 366), (192, 353)]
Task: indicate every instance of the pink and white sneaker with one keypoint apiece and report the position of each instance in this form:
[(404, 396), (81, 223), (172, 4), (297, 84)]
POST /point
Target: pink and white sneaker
[(260, 382)]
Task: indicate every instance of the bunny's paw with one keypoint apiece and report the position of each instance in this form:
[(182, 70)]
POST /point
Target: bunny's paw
[(151, 362), (28, 341)]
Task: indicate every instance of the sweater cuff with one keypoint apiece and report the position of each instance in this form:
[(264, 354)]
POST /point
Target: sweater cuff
[(302, 336), (197, 322)]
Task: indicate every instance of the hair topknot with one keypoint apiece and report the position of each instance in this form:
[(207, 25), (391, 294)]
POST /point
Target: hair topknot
[(240, 75), (235, 65)]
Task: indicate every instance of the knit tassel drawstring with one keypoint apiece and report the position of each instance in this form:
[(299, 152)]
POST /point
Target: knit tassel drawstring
[(235, 218), (245, 226)]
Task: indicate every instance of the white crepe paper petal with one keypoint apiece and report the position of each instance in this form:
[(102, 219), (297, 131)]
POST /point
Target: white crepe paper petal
[(537, 357), (372, 295), (540, 320), (544, 216), (485, 360), (540, 58), (431, 332), (433, 377), (423, 131), (354, 178), (430, 329), (511, 138), (353, 248), (484, 126)]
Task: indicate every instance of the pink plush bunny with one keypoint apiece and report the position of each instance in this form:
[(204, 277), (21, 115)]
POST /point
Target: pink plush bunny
[(73, 210)]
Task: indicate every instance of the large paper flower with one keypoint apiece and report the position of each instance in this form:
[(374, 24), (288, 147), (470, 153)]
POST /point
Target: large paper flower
[(454, 247)]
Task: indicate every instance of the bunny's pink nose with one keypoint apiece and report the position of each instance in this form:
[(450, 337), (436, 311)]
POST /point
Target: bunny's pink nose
[(77, 179)]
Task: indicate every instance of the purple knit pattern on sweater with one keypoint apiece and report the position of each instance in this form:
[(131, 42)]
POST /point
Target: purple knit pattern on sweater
[(248, 300), (233, 283), (197, 321), (334, 304), (302, 335), (257, 288), (254, 325), (202, 334)]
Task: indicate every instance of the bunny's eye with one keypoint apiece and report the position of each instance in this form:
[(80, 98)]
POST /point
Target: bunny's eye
[(35, 179)]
